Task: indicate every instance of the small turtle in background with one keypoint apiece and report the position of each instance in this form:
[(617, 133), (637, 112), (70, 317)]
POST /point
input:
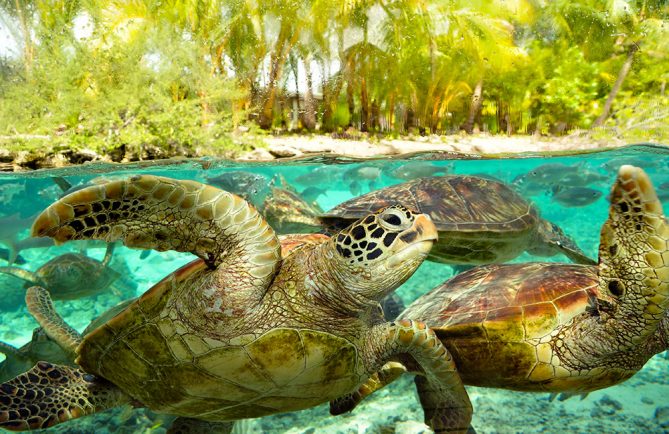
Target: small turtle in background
[(571, 197), (287, 211), (242, 331), (419, 169), (42, 348), (71, 275), (480, 221), (561, 328)]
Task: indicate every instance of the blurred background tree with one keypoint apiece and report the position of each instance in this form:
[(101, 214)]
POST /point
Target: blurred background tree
[(180, 76)]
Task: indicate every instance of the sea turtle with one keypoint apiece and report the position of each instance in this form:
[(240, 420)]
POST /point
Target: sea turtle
[(287, 211), (240, 332), (479, 220), (558, 327), (42, 347), (70, 275)]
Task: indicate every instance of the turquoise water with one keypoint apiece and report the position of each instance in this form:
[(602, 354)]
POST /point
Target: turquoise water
[(585, 179)]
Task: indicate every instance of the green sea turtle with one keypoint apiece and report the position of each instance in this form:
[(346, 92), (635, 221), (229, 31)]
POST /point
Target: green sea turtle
[(558, 327), (287, 211), (42, 347), (240, 332), (70, 275), (480, 221)]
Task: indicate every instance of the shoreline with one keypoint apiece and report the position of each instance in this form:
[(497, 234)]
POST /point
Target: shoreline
[(279, 147)]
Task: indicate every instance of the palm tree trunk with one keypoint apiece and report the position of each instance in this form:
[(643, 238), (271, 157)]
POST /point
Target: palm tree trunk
[(622, 74), (277, 60), (28, 48), (364, 106), (309, 120), (474, 108)]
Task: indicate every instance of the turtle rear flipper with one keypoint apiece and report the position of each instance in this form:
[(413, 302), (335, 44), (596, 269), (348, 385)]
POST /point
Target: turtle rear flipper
[(41, 307), (49, 394)]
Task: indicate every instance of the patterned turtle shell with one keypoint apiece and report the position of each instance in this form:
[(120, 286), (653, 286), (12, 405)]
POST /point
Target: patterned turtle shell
[(494, 319), (479, 220), (454, 202)]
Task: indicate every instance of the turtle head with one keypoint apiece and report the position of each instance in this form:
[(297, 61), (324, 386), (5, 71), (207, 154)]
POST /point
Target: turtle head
[(552, 240), (376, 254), (634, 257)]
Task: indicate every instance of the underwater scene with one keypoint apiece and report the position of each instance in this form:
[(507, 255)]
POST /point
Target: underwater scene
[(523, 209)]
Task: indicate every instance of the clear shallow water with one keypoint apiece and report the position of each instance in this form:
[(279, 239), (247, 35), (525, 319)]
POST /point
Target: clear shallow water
[(630, 406)]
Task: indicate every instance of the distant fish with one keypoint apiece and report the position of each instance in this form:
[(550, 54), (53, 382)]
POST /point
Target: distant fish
[(548, 173), (9, 190), (645, 163), (526, 186), (311, 194), (10, 229), (368, 172), (575, 196), (320, 175), (418, 169), (245, 184)]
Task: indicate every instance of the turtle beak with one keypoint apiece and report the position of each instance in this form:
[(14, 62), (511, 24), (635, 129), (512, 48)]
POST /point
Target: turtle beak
[(425, 228)]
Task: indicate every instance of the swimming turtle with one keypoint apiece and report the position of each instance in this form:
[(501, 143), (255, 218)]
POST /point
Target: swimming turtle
[(240, 332), (42, 347), (479, 220), (287, 211), (70, 275), (558, 327)]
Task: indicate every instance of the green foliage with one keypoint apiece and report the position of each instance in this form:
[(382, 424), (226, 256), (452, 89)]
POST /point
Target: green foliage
[(155, 91), (179, 76), (567, 99)]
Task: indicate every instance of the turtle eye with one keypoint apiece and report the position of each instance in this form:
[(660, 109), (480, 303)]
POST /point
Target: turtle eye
[(393, 219)]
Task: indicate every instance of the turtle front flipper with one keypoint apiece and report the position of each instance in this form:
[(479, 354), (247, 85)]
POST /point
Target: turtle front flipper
[(9, 350), (633, 252), (22, 274), (443, 396), (50, 394), (551, 240), (41, 307), (159, 213)]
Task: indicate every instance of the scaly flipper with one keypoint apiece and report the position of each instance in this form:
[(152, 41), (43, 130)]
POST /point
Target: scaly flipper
[(633, 265), (166, 214), (22, 274), (443, 396), (49, 394), (41, 307), (390, 372), (9, 350), (109, 253)]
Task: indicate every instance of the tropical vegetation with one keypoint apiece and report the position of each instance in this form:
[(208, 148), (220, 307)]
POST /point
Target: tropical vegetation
[(183, 75)]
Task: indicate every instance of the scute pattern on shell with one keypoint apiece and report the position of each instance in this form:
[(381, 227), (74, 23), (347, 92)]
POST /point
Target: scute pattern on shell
[(536, 290), (454, 202)]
